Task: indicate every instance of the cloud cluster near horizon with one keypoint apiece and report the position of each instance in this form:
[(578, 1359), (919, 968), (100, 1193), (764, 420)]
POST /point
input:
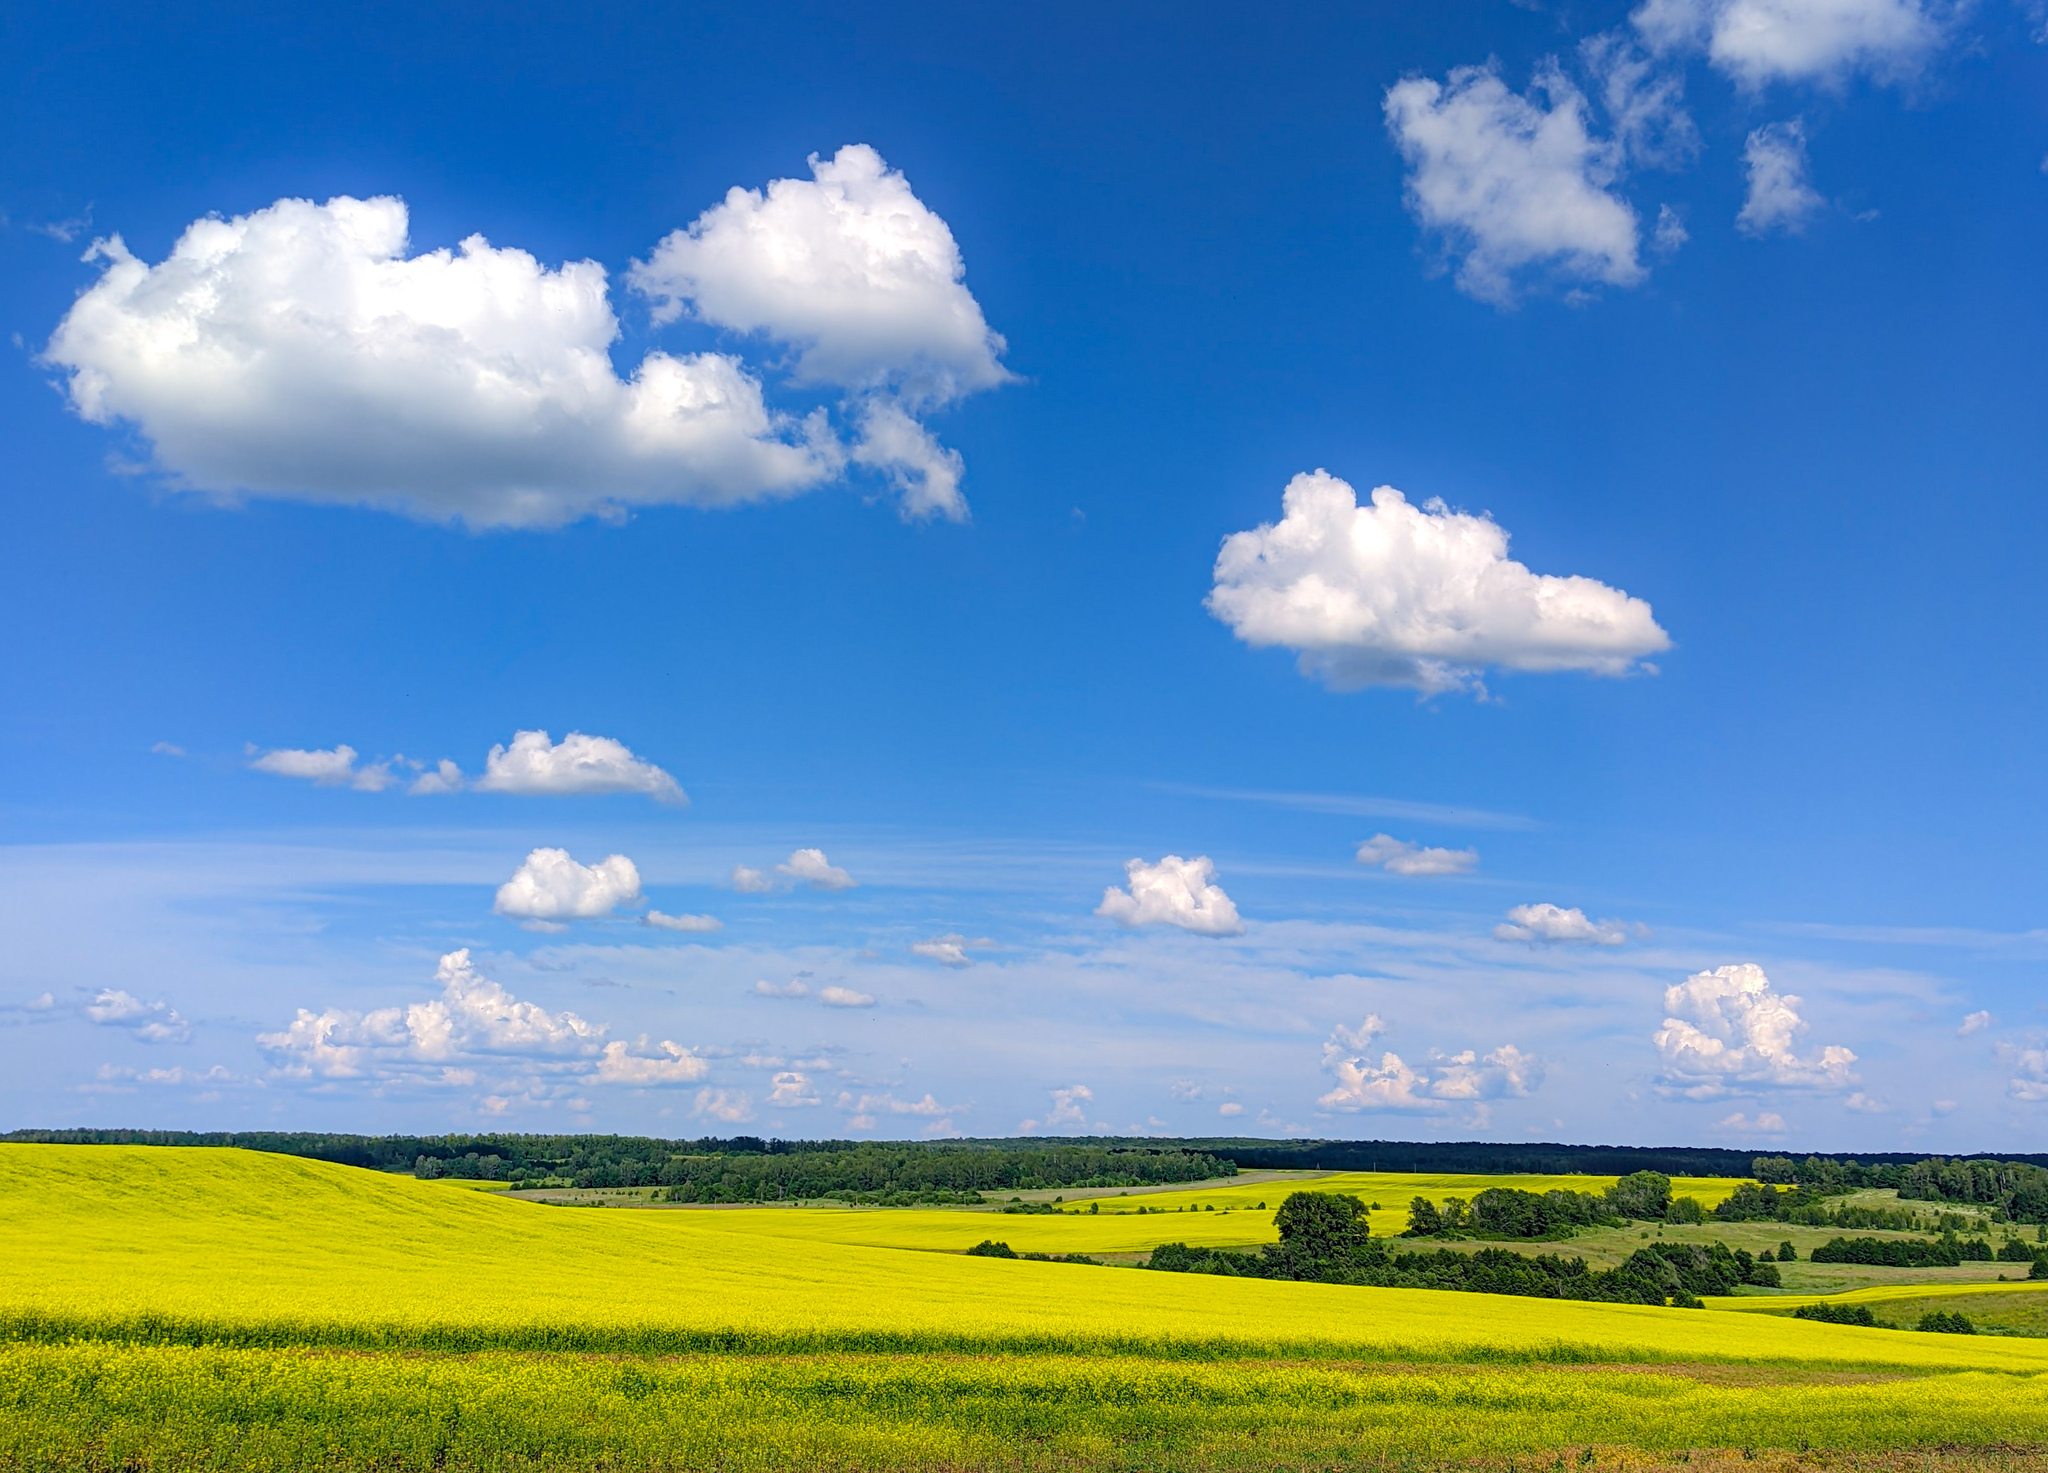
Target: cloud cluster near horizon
[(1466, 1077), (299, 351), (474, 1026)]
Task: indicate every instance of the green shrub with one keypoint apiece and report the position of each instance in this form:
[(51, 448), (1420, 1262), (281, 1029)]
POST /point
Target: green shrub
[(1941, 1322)]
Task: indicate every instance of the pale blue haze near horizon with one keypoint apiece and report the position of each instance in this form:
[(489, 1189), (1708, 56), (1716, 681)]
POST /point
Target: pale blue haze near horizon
[(1801, 419)]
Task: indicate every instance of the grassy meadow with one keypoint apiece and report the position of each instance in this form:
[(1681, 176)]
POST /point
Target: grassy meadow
[(170, 1308)]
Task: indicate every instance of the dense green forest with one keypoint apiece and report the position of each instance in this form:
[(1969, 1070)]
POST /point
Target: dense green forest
[(893, 1174), (738, 1169), (748, 1168)]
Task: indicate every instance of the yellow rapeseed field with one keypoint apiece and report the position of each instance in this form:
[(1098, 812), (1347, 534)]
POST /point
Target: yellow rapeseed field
[(1391, 1191), (275, 1249), (168, 1309)]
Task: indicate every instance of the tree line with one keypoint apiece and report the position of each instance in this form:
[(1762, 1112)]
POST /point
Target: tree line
[(1325, 1238), (883, 1172), (2017, 1190), (714, 1169), (1508, 1212)]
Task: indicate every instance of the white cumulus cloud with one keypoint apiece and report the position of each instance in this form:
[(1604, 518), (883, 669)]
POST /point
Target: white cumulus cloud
[(867, 286), (1778, 198), (792, 1090), (844, 997), (1729, 1029), (810, 867), (576, 764), (1423, 597), (550, 886), (1173, 892), (1401, 857), (1760, 41), (849, 267), (1513, 182), (667, 1063), (153, 1022), (299, 351), (474, 1018), (794, 987), (1469, 1076), (1360, 1085), (1547, 922), (1975, 1022)]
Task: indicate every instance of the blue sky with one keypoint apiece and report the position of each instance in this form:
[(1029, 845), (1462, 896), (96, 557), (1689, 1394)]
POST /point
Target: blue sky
[(1661, 766)]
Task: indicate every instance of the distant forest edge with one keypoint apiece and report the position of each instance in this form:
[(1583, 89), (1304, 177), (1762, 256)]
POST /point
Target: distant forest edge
[(751, 1169)]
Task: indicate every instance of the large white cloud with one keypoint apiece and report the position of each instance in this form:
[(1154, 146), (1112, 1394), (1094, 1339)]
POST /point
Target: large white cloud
[(550, 886), (300, 351), (1778, 196), (1395, 594), (1547, 922), (1729, 1029), (576, 764), (1174, 892), (1514, 182), (1759, 41), (849, 267), (866, 283)]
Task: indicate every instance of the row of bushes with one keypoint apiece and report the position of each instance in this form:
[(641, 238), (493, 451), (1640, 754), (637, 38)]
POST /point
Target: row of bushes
[(1935, 1321), (1910, 1252)]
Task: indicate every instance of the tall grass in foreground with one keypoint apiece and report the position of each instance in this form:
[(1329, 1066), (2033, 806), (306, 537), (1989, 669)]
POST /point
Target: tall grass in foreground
[(98, 1406)]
